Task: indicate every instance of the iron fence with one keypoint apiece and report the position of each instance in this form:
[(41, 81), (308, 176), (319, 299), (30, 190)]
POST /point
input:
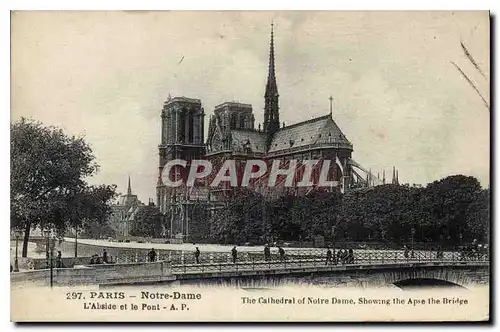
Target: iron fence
[(183, 262)]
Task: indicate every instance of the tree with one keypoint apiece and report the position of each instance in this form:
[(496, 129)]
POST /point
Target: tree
[(478, 217), (447, 202), (90, 211), (241, 220), (148, 222), (48, 172)]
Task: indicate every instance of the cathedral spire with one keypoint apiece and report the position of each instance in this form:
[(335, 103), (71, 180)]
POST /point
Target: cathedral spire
[(129, 190), (271, 108)]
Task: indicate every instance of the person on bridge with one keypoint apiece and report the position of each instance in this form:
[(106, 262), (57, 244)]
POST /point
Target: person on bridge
[(197, 255), (267, 253), (282, 253), (343, 255), (439, 252), (350, 257), (328, 257), (406, 251), (340, 256), (105, 256), (152, 255), (234, 253)]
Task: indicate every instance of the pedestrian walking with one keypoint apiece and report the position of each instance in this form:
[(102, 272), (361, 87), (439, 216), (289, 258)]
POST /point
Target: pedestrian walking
[(350, 256), (282, 253), (328, 257), (340, 255), (234, 253), (197, 255), (406, 252), (267, 253), (59, 263), (152, 255), (105, 256), (439, 254)]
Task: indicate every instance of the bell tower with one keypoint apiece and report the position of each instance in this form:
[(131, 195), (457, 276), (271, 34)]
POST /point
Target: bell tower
[(182, 128)]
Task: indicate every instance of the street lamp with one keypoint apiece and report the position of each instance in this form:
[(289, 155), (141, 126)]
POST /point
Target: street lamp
[(412, 242), (76, 241), (17, 234), (333, 237)]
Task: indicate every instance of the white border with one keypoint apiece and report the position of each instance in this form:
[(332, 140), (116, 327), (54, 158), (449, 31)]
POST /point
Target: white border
[(8, 5)]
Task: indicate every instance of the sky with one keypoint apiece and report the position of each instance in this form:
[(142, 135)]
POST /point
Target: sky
[(397, 95)]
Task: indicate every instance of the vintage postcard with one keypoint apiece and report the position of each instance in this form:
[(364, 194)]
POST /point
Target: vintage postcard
[(246, 166)]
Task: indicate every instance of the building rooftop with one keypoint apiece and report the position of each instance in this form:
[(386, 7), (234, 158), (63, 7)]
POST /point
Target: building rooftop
[(184, 100), (308, 133), (233, 104)]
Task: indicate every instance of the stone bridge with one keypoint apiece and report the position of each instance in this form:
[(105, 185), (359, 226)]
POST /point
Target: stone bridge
[(407, 274), (266, 274)]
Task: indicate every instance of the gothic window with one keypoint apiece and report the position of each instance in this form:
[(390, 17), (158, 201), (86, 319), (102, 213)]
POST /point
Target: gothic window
[(233, 121), (191, 127), (182, 126), (242, 122)]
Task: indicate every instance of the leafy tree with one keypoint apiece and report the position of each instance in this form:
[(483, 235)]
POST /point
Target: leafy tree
[(147, 222), (440, 212), (90, 211), (199, 226), (320, 210), (241, 220), (47, 169), (478, 217), (447, 202)]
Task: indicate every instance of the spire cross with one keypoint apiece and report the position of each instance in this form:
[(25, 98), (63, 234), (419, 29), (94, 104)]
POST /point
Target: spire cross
[(331, 101)]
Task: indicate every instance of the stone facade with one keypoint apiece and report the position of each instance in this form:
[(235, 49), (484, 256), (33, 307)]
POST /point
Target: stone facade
[(232, 135), (124, 211)]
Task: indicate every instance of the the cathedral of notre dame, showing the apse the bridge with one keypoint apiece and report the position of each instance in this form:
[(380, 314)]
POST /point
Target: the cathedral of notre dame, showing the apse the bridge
[(233, 134)]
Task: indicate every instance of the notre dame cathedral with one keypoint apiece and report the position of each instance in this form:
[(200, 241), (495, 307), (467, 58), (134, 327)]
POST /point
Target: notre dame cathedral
[(232, 134)]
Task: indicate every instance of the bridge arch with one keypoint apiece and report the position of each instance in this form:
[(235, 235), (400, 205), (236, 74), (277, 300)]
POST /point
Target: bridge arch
[(426, 283)]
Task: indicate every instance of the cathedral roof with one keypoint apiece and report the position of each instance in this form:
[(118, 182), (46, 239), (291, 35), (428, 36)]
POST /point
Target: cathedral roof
[(233, 104), (321, 130), (256, 139), (128, 200)]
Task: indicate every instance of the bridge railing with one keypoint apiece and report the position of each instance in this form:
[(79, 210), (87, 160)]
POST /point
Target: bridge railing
[(213, 261)]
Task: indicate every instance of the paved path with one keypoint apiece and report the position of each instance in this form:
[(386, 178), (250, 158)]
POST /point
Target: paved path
[(168, 246)]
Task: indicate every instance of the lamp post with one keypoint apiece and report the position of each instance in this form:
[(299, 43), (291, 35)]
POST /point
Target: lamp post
[(46, 234), (333, 237), (17, 234), (412, 242), (76, 242)]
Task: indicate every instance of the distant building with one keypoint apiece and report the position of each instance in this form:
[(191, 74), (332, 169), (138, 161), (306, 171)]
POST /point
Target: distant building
[(124, 212)]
